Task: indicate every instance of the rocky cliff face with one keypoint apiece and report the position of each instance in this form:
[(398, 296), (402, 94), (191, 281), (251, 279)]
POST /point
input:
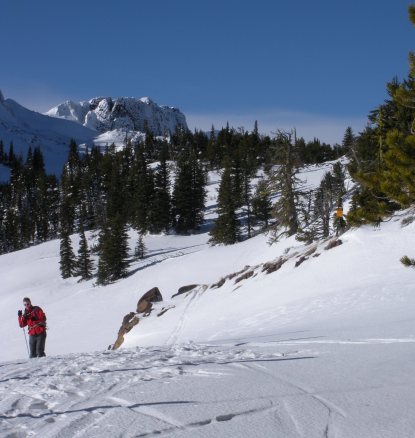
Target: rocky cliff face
[(128, 114)]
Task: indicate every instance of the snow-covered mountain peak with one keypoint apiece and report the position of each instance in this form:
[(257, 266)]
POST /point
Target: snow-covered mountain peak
[(101, 121), (146, 100), (129, 114)]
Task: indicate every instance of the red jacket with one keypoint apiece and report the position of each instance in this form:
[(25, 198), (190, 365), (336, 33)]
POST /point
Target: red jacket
[(35, 319)]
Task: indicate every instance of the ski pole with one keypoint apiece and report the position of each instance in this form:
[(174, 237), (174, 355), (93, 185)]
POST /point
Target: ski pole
[(26, 343)]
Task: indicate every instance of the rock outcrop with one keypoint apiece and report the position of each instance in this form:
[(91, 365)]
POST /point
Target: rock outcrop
[(144, 304), (333, 243), (184, 289), (129, 321)]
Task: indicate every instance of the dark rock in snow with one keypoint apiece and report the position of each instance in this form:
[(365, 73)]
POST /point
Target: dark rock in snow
[(184, 289), (129, 321), (333, 243), (152, 296), (300, 260), (270, 267), (244, 276)]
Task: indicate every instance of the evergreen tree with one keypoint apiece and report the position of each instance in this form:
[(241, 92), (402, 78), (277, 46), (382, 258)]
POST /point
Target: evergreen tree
[(398, 175), (70, 189), (212, 152), (317, 218), (324, 204), (84, 265), (141, 184), (11, 158), (348, 143), (94, 188), (248, 167), (226, 227), (113, 251), (261, 203), (12, 234), (285, 182), (149, 143), (51, 208), (67, 256), (338, 181), (140, 249), (188, 193), (385, 154), (160, 209)]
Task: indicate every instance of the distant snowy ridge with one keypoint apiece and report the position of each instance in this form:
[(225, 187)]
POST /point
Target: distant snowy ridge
[(26, 128), (129, 114), (101, 121)]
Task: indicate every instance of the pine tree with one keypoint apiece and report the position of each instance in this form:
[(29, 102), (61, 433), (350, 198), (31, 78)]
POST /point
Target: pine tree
[(285, 182), (226, 227), (338, 181), (324, 203), (212, 149), (113, 251), (384, 158), (67, 256), (160, 208), (140, 183), (348, 143), (140, 249), (261, 204), (398, 176), (94, 189), (188, 194), (12, 231), (84, 265), (11, 158), (248, 167), (70, 189)]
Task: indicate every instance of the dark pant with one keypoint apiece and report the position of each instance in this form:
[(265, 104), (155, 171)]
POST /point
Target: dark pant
[(37, 345)]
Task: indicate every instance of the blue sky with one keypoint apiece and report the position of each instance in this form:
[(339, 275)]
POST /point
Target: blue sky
[(316, 65)]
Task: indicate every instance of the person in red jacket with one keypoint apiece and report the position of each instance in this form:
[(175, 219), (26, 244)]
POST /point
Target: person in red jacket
[(35, 319)]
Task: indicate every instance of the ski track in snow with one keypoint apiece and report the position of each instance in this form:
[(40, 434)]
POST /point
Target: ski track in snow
[(194, 297), (73, 395), (192, 390)]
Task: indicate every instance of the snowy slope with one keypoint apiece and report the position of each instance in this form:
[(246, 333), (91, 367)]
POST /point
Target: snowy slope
[(27, 128), (322, 349)]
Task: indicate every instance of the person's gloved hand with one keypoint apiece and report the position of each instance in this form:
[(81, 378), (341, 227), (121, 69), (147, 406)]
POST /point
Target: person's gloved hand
[(19, 313)]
